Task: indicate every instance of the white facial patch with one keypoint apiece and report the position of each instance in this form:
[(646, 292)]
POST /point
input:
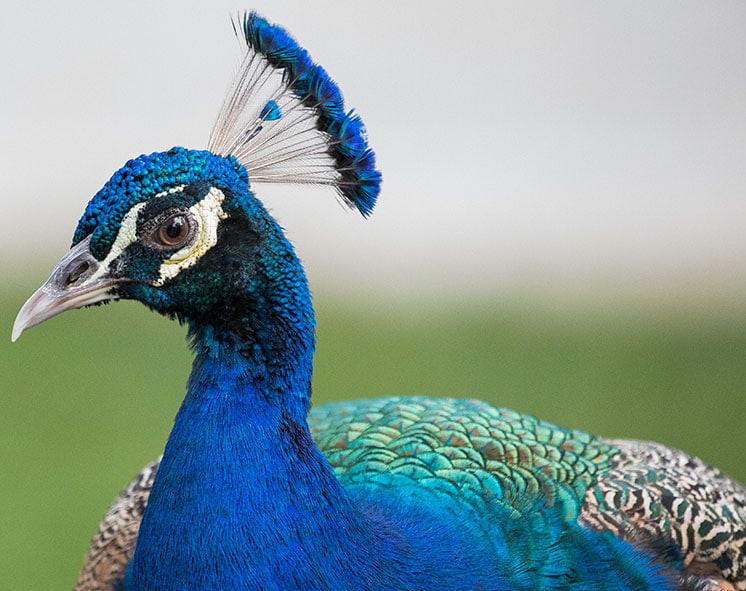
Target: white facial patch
[(207, 215), (126, 236)]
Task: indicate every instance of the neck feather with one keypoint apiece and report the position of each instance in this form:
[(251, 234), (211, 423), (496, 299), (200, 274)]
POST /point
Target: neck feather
[(243, 496)]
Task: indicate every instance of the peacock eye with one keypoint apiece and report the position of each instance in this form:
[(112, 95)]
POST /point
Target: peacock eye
[(174, 231)]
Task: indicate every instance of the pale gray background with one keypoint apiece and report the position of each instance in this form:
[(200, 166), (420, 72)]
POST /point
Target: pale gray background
[(543, 147)]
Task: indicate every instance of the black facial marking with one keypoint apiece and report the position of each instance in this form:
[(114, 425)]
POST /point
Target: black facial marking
[(217, 289), (141, 264), (185, 198)]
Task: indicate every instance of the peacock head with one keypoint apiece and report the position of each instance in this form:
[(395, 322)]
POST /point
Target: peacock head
[(178, 231), (182, 232)]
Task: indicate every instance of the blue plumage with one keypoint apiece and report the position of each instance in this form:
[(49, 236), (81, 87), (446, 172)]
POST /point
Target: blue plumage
[(255, 491), (145, 176), (271, 111)]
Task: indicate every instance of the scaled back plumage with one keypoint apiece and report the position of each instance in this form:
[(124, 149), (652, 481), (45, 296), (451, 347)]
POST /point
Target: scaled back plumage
[(253, 491)]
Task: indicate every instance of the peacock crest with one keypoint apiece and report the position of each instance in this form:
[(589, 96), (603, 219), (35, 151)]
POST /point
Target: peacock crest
[(284, 120)]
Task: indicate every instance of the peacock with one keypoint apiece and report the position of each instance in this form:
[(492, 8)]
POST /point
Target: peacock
[(257, 491)]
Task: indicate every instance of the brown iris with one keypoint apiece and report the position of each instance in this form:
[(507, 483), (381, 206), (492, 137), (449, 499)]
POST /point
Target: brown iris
[(174, 231)]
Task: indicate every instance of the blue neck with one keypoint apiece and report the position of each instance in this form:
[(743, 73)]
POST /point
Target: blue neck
[(243, 498)]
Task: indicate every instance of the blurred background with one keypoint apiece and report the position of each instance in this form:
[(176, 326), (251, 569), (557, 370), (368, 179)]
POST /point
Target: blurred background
[(561, 228)]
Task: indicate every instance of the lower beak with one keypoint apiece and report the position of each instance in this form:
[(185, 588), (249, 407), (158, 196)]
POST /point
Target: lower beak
[(78, 280)]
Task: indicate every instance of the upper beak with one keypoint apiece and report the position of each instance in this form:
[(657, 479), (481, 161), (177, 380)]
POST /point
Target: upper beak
[(78, 280)]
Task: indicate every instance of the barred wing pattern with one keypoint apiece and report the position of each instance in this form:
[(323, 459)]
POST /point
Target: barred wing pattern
[(655, 489)]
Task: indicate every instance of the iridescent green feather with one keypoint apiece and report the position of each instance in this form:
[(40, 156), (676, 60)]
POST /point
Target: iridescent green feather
[(478, 452)]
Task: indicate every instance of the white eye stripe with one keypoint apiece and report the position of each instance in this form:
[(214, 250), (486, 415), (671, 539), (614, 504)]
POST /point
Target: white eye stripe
[(207, 214), (127, 235), (176, 189)]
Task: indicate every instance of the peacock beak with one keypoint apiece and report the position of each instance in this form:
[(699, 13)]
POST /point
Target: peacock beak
[(78, 280)]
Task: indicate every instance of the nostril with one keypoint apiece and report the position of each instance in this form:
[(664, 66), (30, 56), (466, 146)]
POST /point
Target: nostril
[(79, 272)]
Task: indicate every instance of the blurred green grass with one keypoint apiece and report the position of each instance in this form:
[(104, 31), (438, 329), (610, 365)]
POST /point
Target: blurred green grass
[(88, 398)]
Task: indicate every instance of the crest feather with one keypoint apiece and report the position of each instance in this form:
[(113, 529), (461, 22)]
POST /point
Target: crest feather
[(284, 120)]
